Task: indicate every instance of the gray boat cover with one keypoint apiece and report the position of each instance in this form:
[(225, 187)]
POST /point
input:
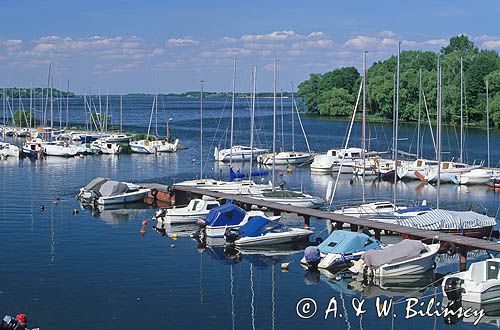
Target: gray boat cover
[(113, 188), (406, 249), (95, 184), (445, 219)]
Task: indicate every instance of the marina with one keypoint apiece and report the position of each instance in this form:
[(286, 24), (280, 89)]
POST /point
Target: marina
[(306, 166)]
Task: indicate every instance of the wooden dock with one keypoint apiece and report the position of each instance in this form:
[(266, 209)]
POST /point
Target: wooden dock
[(184, 193)]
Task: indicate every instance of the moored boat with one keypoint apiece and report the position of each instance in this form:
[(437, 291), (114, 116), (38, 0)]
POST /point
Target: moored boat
[(194, 211)]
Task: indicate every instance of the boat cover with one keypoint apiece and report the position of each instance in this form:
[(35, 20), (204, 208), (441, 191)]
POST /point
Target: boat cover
[(444, 219), (225, 215), (406, 249), (95, 184), (348, 242), (258, 226), (238, 175), (311, 254), (113, 188)]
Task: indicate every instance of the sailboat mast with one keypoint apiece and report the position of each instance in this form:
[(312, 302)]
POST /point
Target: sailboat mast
[(232, 115), (282, 121), (121, 113), (439, 118), (51, 103), (60, 104), (67, 106), (396, 124), (363, 123), (274, 124), (488, 121), (293, 121), (201, 130), (31, 104), (462, 109), (419, 111), (254, 86)]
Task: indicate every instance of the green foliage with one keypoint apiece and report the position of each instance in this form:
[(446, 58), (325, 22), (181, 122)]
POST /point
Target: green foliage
[(35, 92), (322, 95), (22, 118)]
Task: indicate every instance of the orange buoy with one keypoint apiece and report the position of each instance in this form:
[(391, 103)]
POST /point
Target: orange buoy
[(144, 223)]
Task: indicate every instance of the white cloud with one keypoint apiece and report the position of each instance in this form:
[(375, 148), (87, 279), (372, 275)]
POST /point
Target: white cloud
[(316, 34), (273, 36), (182, 42)]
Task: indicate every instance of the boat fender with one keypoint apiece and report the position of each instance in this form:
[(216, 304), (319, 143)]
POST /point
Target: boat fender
[(170, 191), (342, 256)]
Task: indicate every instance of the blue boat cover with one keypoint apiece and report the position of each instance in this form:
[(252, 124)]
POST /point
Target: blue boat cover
[(311, 254), (225, 215), (258, 226), (348, 242), (238, 175)]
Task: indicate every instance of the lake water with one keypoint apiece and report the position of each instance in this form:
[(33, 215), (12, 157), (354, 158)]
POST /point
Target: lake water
[(96, 271)]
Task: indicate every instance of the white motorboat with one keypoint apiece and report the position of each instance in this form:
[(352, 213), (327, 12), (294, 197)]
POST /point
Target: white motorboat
[(263, 231), (60, 148), (289, 197), (476, 176), (238, 153), (479, 284), (404, 258), (166, 146), (194, 211), (330, 162), (8, 150), (33, 148), (107, 192), (285, 158), (100, 145)]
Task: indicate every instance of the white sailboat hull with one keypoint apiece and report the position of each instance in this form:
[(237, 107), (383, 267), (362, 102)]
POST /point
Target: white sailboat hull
[(128, 197), (295, 234)]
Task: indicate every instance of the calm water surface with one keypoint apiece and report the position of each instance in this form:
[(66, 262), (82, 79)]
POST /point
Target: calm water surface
[(96, 271)]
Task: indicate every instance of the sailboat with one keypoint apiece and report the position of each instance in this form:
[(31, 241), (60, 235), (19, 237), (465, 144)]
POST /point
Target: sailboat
[(156, 145), (282, 196), (292, 157)]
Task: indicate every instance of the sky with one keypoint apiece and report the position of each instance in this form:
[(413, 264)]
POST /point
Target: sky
[(122, 46)]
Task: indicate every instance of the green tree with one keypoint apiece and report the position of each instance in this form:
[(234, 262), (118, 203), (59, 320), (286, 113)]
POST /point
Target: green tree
[(495, 110), (22, 118), (336, 102)]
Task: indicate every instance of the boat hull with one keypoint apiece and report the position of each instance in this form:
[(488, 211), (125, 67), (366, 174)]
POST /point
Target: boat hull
[(124, 198)]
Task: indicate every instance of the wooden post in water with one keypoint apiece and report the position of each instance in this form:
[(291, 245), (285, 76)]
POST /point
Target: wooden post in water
[(307, 221), (354, 228), (377, 234), (463, 259)]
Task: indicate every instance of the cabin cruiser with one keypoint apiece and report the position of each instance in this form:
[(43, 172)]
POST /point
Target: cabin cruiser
[(289, 197), (100, 145), (330, 162), (238, 153), (468, 223), (243, 187), (153, 147), (23, 132), (33, 148), (118, 138), (285, 158), (260, 230), (103, 191), (194, 211), (479, 284), (340, 249), (407, 257), (8, 150), (227, 216)]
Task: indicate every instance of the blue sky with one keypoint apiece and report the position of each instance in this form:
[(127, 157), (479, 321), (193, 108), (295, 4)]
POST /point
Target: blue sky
[(119, 46)]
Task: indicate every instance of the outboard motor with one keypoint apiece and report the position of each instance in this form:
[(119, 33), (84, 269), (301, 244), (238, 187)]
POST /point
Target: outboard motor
[(10, 323), (231, 235), (453, 288), (312, 257), (159, 214)]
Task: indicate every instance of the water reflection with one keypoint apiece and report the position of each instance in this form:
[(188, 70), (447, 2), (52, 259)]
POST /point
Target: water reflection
[(118, 214)]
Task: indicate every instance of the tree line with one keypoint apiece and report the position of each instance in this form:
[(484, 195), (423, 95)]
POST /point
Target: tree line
[(36, 92), (334, 93)]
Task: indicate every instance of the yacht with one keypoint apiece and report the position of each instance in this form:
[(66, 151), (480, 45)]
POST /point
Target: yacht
[(194, 211), (285, 158), (330, 162), (238, 153)]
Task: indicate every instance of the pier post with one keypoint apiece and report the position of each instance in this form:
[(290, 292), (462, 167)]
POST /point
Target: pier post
[(307, 221), (339, 225), (276, 212), (377, 234), (354, 227), (463, 259)]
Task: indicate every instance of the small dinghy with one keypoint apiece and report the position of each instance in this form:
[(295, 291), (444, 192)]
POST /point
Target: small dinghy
[(340, 249), (227, 216), (194, 211), (480, 284), (7, 149), (260, 230), (404, 258)]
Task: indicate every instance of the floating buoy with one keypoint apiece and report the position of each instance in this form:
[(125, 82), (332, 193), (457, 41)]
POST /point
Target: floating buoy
[(144, 223), (193, 160), (172, 246), (174, 236), (284, 266), (75, 211), (42, 208)]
